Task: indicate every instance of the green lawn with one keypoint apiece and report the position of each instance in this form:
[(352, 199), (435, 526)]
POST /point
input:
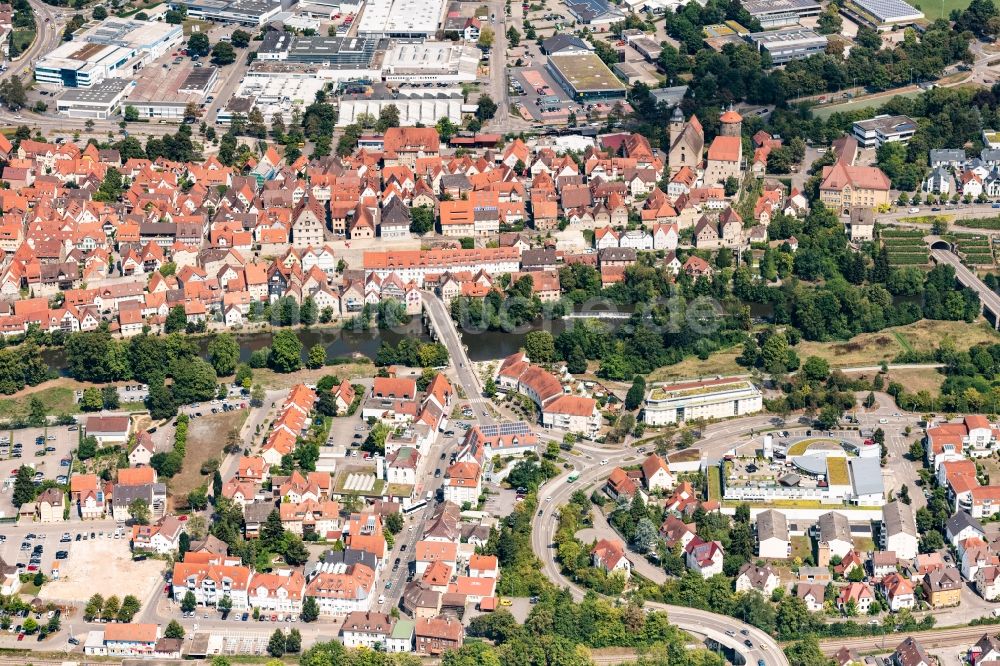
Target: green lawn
[(23, 39), (58, 400), (824, 111), (935, 9), (714, 484), (801, 547)]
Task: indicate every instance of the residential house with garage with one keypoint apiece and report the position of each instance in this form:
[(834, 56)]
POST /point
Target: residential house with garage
[(857, 594), (833, 537)]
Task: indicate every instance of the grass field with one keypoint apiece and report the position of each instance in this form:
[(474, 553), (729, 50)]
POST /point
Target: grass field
[(862, 350), (873, 348), (918, 379), (720, 363), (824, 111), (276, 380), (206, 438), (935, 9), (57, 399)]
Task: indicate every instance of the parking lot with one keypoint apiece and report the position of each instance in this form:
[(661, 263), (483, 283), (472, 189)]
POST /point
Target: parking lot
[(100, 553), (44, 449), (33, 547)]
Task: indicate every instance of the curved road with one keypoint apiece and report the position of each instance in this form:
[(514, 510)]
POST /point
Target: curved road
[(702, 623)]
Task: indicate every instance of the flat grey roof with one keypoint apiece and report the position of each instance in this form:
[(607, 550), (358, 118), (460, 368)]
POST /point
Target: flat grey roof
[(792, 36), (199, 78), (102, 93)]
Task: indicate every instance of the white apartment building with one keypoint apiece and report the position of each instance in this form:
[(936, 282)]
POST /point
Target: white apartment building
[(702, 399)]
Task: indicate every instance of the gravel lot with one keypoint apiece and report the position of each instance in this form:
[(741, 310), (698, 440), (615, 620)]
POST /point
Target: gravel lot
[(102, 565)]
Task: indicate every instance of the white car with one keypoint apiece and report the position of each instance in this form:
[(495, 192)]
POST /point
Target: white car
[(604, 462), (914, 210)]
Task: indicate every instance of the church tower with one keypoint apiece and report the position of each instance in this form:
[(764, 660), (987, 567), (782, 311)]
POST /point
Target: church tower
[(676, 125)]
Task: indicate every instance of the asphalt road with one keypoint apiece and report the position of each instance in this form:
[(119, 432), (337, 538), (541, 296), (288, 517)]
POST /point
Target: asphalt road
[(463, 368), (718, 440), (987, 296)]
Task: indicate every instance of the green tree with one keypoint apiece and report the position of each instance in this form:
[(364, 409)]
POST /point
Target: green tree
[(130, 607), (317, 356), (110, 398), (486, 108), (310, 610), (189, 602), (240, 39), (37, 412), (286, 352), (816, 368), (293, 643), (176, 317), (13, 94), (394, 523), (174, 630), (24, 487), (224, 354), (272, 532), (139, 510), (194, 381), (244, 375), (87, 448), (276, 645), (421, 220), (387, 117), (540, 346), (223, 53), (636, 393), (91, 400), (111, 607), (198, 44)]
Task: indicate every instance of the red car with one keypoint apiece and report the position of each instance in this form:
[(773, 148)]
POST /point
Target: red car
[(20, 636), (33, 568)]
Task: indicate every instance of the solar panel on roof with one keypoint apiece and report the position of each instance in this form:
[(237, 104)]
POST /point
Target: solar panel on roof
[(888, 10)]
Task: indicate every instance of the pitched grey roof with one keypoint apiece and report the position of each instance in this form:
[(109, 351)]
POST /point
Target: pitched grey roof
[(833, 526), (960, 521), (772, 524), (897, 518), (947, 155)]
